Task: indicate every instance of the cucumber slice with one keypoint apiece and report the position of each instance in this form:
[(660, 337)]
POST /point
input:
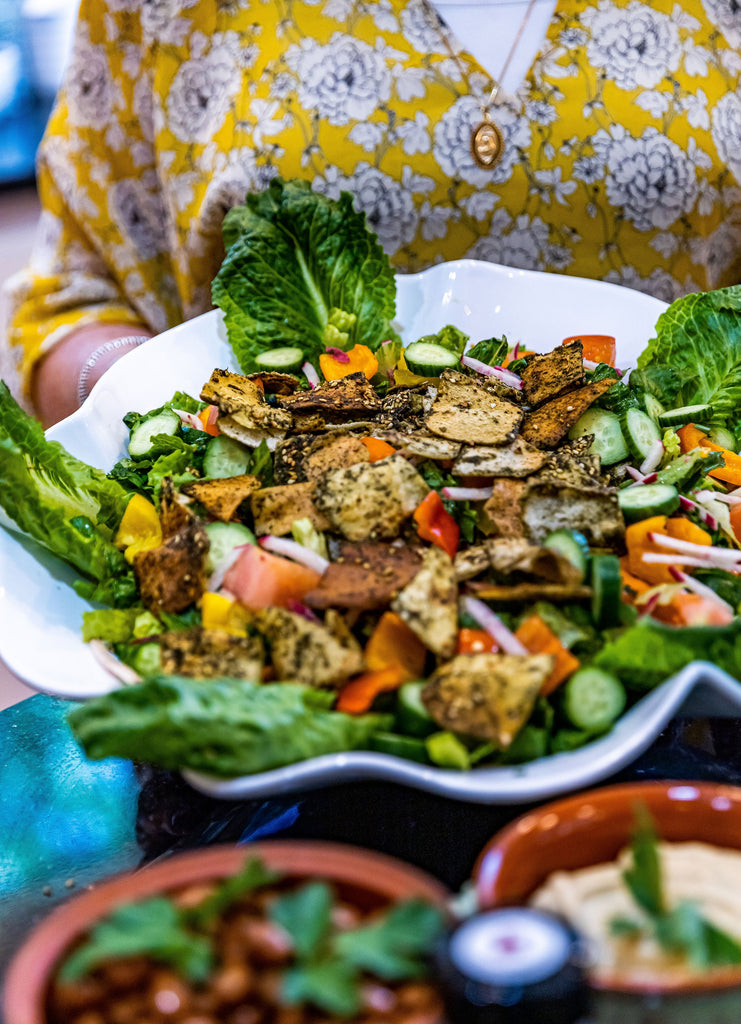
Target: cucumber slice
[(654, 408), (725, 438), (687, 414), (146, 660), (640, 431), (412, 717), (409, 747), (573, 545), (608, 442), (593, 699), (428, 359), (607, 586), (648, 500), (143, 434), (681, 470), (225, 457), (286, 359), (223, 538)]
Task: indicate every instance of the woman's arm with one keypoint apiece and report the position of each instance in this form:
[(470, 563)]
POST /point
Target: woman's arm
[(65, 377)]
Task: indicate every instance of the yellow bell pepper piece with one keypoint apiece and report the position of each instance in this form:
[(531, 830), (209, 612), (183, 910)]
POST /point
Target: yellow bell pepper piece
[(139, 528), (219, 612)]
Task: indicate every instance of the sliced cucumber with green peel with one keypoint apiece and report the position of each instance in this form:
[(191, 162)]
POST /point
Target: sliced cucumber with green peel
[(646, 500), (640, 432), (608, 442), (687, 414), (607, 587), (225, 457), (143, 434), (146, 661), (573, 545), (286, 359), (654, 408), (223, 538), (409, 747), (412, 717), (593, 699), (725, 438), (428, 359)]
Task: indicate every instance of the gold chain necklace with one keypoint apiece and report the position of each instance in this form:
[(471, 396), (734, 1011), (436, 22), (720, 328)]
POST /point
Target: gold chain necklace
[(487, 140)]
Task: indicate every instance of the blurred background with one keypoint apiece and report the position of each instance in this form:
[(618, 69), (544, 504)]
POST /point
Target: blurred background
[(35, 38)]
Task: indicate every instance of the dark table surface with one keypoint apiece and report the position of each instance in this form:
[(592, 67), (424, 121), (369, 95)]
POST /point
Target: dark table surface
[(67, 822)]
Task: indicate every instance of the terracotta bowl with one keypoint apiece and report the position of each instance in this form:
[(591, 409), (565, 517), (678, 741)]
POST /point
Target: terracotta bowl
[(593, 827), (370, 879)]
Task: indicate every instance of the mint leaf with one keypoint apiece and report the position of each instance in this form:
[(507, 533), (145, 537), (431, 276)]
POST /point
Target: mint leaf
[(330, 985), (152, 927), (305, 915), (392, 948), (643, 877)]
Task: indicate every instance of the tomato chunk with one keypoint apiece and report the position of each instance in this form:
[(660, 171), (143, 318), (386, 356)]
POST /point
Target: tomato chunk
[(261, 580)]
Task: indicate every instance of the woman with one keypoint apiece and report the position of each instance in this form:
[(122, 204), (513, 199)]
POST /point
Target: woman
[(620, 139)]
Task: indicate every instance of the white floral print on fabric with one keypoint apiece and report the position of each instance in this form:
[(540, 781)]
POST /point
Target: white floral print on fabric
[(622, 156)]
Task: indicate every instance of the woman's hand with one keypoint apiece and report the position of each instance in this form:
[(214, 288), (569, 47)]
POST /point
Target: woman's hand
[(58, 386)]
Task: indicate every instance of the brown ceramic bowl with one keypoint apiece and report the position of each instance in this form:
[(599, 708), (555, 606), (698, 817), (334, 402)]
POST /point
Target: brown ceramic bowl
[(592, 828), (363, 876)]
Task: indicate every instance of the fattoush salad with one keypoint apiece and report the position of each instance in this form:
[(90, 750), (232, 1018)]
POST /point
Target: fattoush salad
[(456, 552)]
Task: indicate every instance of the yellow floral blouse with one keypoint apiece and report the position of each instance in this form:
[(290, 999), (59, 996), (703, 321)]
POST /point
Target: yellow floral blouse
[(622, 155)]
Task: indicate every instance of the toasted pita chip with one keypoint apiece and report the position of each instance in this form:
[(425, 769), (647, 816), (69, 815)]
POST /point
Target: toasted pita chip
[(501, 514), (489, 696), (545, 426), (336, 401), (364, 576), (223, 498), (309, 652), (276, 509), (550, 374), (171, 576), (208, 653), (471, 413), (591, 510), (517, 459), (508, 555), (244, 400), (429, 603), (307, 457), (531, 592)]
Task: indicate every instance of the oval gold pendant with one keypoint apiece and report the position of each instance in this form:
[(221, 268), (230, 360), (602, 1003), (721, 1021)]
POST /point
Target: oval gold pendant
[(487, 145)]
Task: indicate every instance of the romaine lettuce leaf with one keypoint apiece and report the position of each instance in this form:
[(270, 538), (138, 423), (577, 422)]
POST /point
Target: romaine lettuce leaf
[(298, 264), (695, 358), (647, 653), (224, 726)]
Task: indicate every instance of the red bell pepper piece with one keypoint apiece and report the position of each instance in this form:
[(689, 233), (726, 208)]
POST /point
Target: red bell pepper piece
[(437, 525)]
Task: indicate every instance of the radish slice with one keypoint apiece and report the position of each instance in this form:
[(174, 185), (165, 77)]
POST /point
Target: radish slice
[(727, 499), (467, 493), (589, 364), (654, 558), (222, 568), (311, 375), (502, 375), (303, 610), (189, 419), (338, 354), (704, 551), (654, 457), (107, 660), (700, 588), (490, 621), (295, 551)]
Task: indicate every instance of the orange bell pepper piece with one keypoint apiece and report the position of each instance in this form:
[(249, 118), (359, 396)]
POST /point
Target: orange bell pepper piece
[(358, 359), (377, 449), (691, 436), (599, 348), (632, 585), (736, 521), (637, 542), (208, 428), (476, 641), (357, 696), (435, 524), (393, 644), (539, 638)]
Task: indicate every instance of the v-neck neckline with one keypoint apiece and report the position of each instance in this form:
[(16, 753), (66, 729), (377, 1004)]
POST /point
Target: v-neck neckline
[(474, 66)]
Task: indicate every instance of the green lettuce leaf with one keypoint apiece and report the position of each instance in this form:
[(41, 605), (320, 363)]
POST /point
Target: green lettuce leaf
[(225, 727), (449, 337), (492, 351), (302, 269), (695, 358), (647, 653)]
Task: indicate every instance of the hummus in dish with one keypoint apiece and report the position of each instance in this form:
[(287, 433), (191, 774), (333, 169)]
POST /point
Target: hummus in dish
[(593, 898)]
